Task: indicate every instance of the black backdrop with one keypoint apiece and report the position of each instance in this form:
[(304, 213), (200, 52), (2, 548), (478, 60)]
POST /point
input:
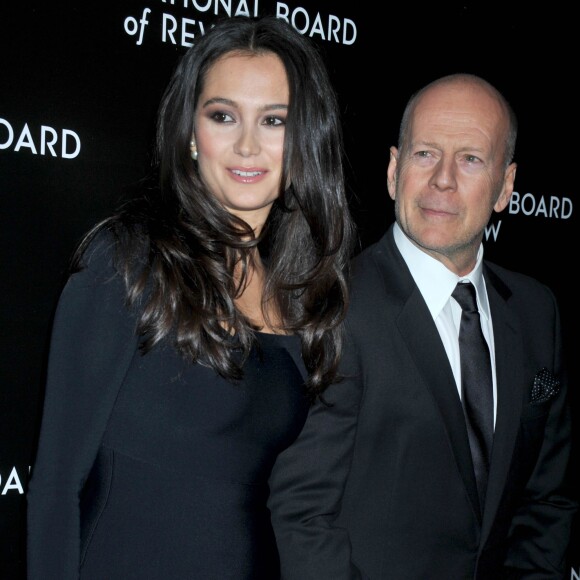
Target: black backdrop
[(78, 96)]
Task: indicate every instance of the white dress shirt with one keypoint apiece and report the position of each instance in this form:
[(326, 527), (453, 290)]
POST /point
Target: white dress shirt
[(436, 283)]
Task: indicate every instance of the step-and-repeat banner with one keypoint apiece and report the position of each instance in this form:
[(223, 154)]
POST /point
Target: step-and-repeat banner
[(79, 89)]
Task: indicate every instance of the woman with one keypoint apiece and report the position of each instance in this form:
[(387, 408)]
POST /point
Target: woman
[(198, 323)]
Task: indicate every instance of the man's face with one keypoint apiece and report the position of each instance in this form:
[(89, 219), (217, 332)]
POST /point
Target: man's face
[(450, 175)]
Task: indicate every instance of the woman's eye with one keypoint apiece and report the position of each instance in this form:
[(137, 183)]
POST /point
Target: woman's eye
[(274, 121), (221, 117)]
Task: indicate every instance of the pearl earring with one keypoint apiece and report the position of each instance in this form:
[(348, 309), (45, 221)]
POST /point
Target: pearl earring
[(193, 150)]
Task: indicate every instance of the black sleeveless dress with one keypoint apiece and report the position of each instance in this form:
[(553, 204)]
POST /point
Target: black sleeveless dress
[(149, 467), (180, 485)]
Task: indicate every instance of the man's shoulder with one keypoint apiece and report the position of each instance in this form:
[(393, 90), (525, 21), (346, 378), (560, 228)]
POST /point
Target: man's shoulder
[(366, 266), (371, 274), (372, 253), (516, 284)]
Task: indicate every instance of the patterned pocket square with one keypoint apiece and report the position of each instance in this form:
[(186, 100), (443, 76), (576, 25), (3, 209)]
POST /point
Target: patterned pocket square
[(545, 386)]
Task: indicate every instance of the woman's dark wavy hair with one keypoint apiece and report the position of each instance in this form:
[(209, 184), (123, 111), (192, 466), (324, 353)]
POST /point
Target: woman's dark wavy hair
[(187, 244)]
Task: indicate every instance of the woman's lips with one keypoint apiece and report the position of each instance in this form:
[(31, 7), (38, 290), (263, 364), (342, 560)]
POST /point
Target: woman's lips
[(247, 175)]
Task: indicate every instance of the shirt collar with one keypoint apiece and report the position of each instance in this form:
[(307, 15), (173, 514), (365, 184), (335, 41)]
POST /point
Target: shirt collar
[(435, 281)]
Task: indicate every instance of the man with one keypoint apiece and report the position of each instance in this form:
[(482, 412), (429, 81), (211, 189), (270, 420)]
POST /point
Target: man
[(382, 482)]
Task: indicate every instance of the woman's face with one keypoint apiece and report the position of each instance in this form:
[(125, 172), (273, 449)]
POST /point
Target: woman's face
[(240, 121)]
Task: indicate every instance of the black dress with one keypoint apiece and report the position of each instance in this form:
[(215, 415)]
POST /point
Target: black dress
[(164, 476)]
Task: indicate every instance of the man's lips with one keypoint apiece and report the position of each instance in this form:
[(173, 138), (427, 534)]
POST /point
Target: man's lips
[(436, 209)]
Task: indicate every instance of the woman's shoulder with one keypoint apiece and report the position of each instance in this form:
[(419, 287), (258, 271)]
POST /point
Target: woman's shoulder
[(111, 247)]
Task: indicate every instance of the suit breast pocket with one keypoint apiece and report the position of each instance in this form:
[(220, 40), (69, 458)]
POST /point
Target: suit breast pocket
[(531, 433), (532, 411), (528, 445)]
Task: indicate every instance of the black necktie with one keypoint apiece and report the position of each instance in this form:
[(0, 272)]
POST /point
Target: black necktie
[(476, 385)]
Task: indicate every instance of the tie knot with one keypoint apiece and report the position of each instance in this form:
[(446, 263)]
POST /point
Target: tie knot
[(464, 293)]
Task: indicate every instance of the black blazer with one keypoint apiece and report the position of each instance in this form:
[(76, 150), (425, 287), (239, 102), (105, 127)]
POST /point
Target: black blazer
[(380, 483)]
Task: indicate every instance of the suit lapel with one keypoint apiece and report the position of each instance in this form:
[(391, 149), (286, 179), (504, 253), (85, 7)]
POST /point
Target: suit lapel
[(508, 353), (418, 330)]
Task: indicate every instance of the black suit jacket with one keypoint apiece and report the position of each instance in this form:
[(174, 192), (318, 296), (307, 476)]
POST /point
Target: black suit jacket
[(380, 484)]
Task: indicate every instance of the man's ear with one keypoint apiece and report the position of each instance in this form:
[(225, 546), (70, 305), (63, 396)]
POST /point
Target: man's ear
[(507, 189), (392, 172)]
